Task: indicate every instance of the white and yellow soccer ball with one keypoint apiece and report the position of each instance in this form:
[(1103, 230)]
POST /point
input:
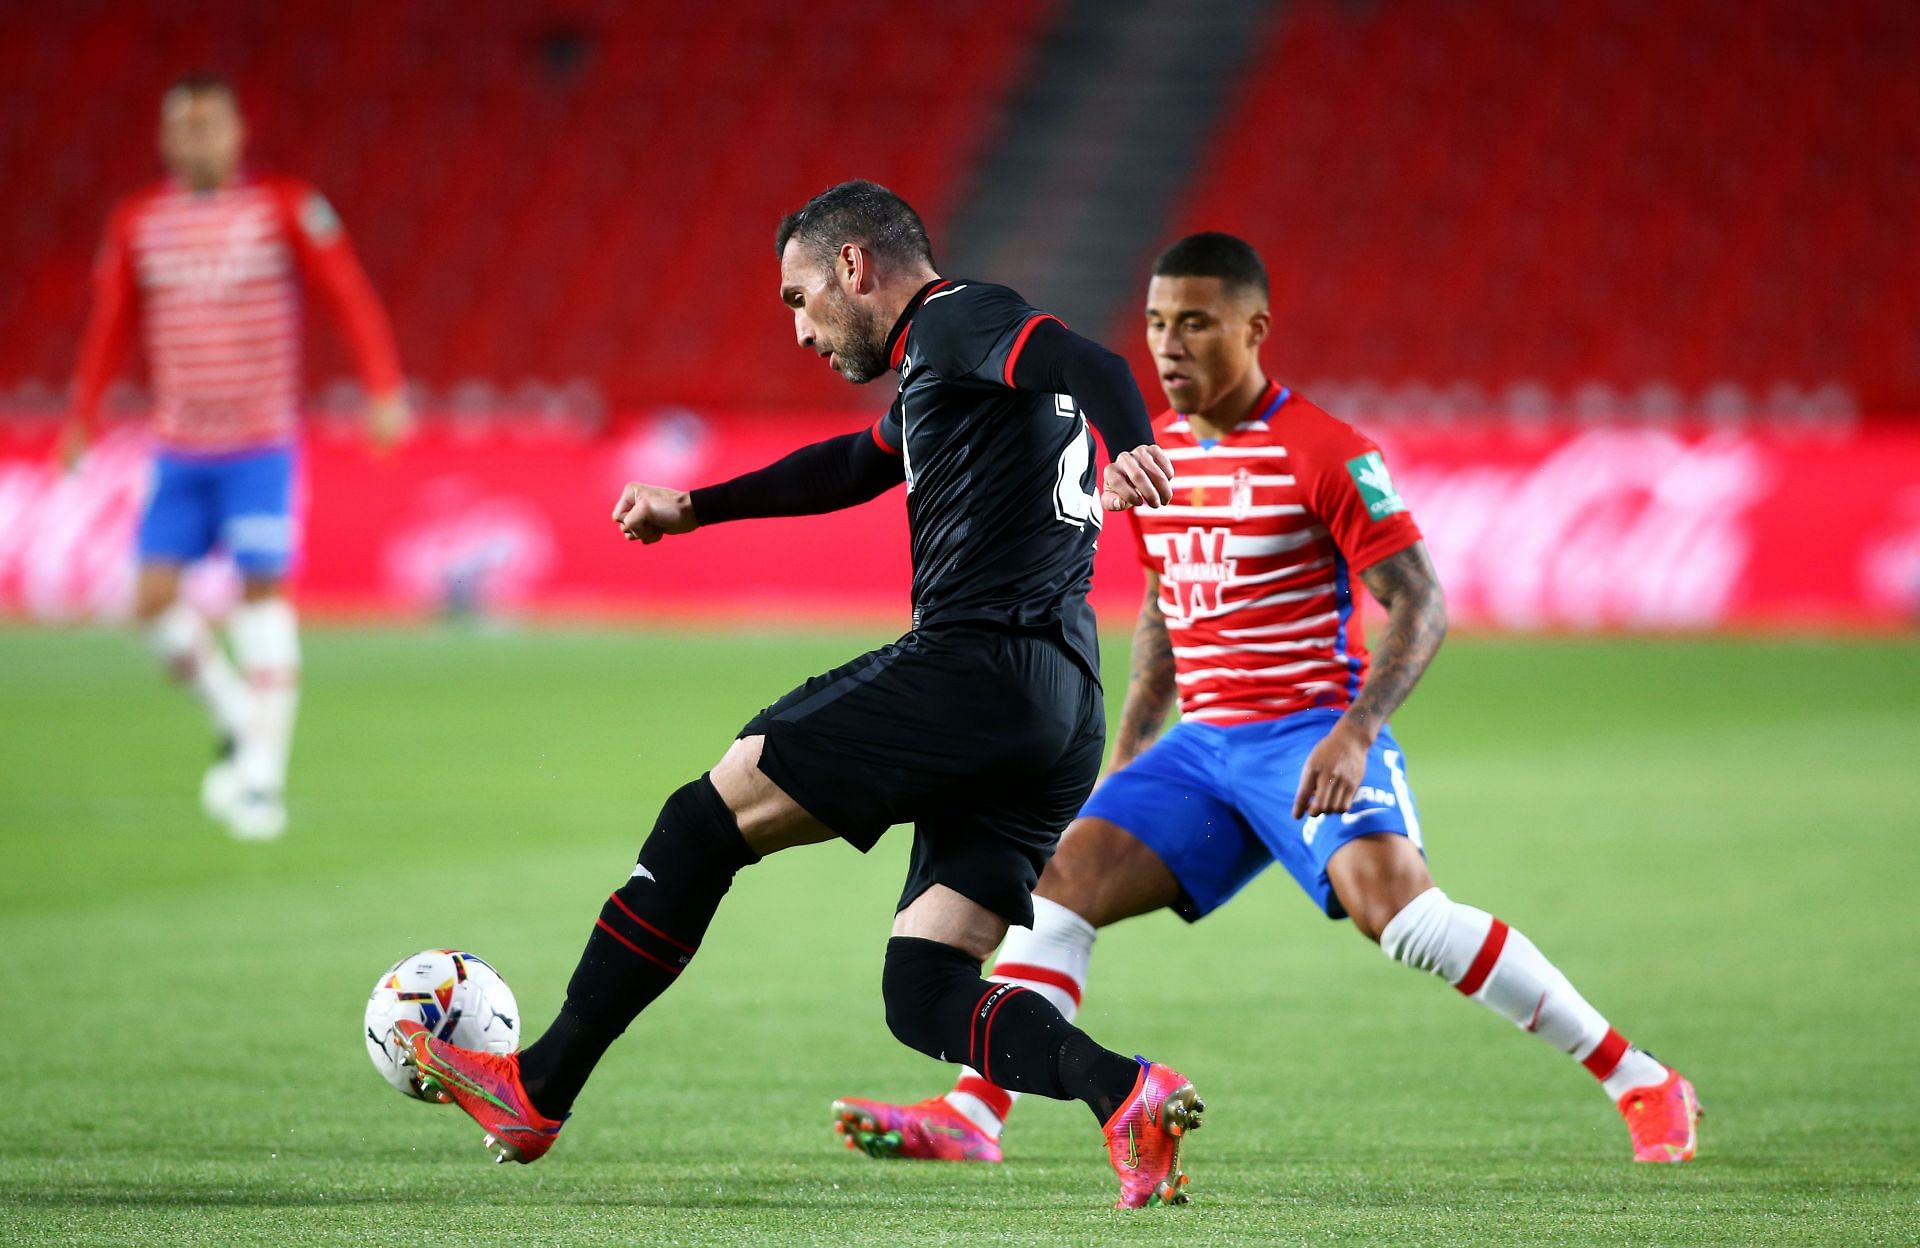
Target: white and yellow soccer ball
[(454, 995)]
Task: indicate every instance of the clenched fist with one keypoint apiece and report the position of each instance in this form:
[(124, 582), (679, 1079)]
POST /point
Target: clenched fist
[(1142, 477), (647, 513)]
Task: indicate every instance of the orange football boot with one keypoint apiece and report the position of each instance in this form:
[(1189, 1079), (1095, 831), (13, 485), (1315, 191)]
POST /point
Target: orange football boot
[(932, 1130), (486, 1085), (1663, 1119), (1144, 1134)]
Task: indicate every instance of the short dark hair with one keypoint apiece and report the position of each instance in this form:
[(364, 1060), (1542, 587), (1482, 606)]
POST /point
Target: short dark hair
[(1213, 254), (858, 212), (203, 82)]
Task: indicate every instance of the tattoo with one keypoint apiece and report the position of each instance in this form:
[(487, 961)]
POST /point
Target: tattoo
[(1150, 685), (1405, 584)]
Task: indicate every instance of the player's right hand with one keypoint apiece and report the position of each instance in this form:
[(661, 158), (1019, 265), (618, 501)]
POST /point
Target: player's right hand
[(1142, 477), (647, 513)]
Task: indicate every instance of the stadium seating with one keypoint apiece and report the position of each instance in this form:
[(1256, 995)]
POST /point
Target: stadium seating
[(1499, 193), (1583, 191), (538, 190)]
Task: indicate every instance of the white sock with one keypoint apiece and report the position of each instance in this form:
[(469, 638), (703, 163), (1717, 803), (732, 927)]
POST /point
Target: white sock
[(1502, 970), (179, 638), (1049, 958), (266, 639)]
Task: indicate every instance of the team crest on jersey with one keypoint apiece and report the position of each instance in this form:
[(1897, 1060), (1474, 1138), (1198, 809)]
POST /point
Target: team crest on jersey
[(1196, 569), (1241, 497), (1377, 490)]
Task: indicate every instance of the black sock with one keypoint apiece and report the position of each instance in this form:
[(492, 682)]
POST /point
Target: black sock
[(937, 1003), (646, 935)]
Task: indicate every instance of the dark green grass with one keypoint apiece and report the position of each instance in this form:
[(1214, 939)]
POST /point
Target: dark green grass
[(1719, 841)]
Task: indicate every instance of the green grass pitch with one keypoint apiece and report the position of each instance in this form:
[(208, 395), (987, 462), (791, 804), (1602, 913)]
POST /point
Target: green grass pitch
[(1718, 840)]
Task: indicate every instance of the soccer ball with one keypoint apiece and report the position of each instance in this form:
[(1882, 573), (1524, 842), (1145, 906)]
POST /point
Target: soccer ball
[(454, 995)]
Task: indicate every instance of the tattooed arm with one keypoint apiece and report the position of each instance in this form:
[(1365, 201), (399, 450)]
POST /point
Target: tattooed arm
[(1404, 583), (1150, 683)]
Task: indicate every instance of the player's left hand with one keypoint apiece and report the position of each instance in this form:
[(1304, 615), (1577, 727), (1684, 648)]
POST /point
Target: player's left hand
[(1333, 773), (389, 420), (1141, 477), (71, 447)]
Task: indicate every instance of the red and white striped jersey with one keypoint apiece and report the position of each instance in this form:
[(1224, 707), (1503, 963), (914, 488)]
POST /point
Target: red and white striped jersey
[(1257, 556), (215, 279)]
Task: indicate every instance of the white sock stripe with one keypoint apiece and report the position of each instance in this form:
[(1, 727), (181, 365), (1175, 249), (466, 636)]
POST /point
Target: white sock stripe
[(1059, 941), (1051, 916), (266, 639)]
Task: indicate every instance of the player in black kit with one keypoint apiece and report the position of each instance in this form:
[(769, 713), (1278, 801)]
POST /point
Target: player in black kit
[(983, 726)]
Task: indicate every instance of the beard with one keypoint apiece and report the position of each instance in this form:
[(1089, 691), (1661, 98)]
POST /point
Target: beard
[(860, 352)]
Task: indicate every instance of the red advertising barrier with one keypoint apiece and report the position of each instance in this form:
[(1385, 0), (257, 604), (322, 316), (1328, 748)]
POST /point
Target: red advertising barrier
[(1568, 529)]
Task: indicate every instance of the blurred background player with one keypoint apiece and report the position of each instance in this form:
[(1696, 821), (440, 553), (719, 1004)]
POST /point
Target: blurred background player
[(210, 261), (1282, 753)]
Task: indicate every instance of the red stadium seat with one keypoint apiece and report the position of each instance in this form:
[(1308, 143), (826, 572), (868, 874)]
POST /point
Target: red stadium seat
[(524, 215), (1513, 191)]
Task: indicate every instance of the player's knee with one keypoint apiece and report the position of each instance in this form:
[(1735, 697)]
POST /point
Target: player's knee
[(260, 587), (1375, 877), (152, 595), (1416, 934), (1384, 899), (767, 817), (1371, 915), (924, 985), (695, 838)]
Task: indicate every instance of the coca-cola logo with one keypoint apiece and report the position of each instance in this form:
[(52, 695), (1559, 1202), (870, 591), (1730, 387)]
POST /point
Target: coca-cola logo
[(66, 539), (1890, 563), (1612, 528)]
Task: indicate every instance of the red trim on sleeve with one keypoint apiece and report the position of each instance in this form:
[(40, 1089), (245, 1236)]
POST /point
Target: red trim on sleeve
[(1020, 341), (110, 320), (336, 271), (1399, 538), (1606, 1055), (1024, 972), (882, 442), (1484, 960), (1321, 448)]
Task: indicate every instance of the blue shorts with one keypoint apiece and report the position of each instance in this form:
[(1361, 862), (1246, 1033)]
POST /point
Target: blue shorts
[(241, 503), (1216, 805)]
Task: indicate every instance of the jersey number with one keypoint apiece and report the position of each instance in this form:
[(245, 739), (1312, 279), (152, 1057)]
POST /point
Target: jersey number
[(1075, 500)]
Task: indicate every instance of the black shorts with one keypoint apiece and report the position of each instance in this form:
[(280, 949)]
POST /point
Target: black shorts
[(986, 740)]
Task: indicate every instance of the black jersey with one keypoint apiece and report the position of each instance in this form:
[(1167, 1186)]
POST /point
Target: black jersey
[(1002, 493)]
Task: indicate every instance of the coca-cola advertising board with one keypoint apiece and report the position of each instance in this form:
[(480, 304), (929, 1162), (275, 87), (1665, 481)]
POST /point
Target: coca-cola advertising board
[(1557, 528)]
